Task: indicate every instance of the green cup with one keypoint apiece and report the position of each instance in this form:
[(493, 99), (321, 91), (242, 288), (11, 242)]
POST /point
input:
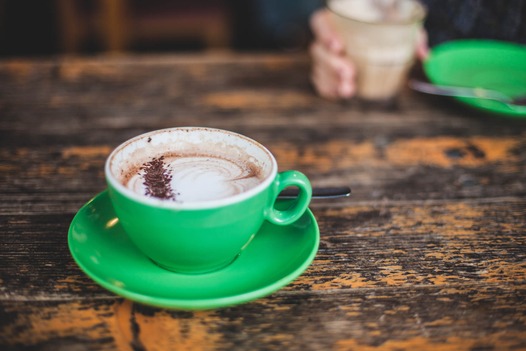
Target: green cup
[(191, 198)]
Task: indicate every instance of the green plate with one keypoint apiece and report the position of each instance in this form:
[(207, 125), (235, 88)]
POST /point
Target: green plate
[(276, 256), (482, 64)]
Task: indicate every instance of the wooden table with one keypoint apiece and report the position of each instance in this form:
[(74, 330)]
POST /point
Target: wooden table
[(428, 253)]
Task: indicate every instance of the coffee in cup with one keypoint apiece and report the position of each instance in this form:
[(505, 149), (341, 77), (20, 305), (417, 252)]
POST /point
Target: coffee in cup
[(191, 176), (193, 198)]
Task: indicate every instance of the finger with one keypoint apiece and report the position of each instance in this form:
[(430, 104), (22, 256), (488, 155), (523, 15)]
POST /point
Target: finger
[(422, 46), (330, 84), (333, 72), (325, 85), (331, 89), (325, 32), (346, 88), (338, 65)]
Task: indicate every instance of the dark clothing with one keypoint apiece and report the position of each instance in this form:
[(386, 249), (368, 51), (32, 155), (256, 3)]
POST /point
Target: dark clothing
[(476, 19), (283, 24)]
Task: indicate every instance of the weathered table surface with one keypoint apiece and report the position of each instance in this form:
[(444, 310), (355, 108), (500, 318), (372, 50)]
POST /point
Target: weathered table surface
[(428, 253)]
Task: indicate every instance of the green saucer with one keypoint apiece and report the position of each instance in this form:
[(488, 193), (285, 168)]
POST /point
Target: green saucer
[(486, 64), (276, 256)]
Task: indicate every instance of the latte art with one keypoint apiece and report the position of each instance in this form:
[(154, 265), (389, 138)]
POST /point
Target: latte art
[(193, 178)]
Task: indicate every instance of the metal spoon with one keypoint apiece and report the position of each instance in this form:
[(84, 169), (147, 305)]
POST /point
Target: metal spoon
[(516, 103), (318, 193)]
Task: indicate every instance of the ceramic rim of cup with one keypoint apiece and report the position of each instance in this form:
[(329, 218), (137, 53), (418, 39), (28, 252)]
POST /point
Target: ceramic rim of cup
[(197, 205), (418, 16)]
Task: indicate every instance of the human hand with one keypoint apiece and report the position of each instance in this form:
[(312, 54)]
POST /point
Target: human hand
[(332, 73)]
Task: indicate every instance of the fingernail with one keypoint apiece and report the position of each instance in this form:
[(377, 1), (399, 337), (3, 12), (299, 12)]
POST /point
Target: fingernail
[(335, 46), (345, 90)]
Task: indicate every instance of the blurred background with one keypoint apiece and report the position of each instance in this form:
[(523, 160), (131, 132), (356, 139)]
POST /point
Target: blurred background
[(51, 27), (84, 27)]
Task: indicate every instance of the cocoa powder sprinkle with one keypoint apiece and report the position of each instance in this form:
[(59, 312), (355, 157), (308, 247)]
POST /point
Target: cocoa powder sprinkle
[(157, 179)]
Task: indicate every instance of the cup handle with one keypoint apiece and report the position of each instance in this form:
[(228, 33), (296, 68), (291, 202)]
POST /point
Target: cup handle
[(298, 206)]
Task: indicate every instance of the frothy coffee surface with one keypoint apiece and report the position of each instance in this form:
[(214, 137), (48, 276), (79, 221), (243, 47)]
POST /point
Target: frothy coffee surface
[(192, 178), (375, 11)]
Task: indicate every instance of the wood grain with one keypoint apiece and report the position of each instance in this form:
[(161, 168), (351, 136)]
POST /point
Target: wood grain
[(366, 319), (427, 253)]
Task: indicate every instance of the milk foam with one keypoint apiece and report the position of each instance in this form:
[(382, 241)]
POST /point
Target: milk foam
[(201, 178), (374, 11)]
